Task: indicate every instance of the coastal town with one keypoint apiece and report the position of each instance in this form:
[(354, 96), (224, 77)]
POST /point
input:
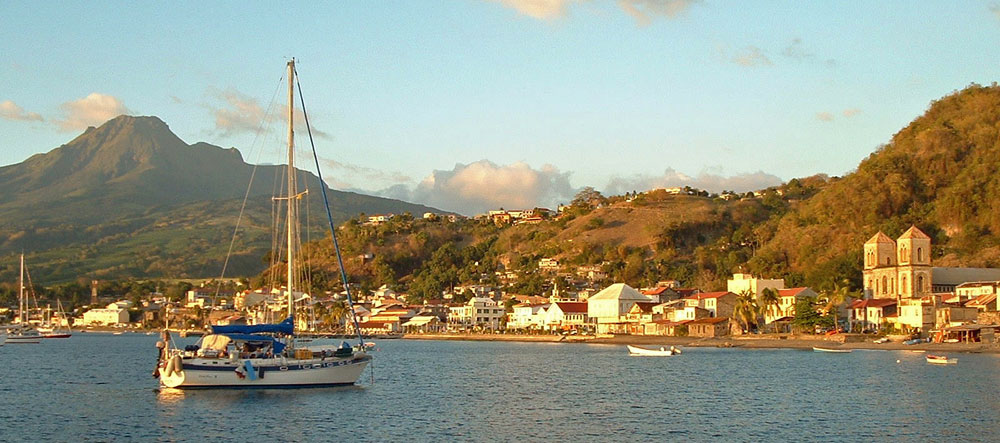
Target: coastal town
[(904, 296)]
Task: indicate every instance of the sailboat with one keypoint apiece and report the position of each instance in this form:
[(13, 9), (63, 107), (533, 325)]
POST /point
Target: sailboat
[(22, 333), (53, 330), (265, 355)]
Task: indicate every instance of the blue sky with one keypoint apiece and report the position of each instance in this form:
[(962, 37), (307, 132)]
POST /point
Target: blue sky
[(469, 104)]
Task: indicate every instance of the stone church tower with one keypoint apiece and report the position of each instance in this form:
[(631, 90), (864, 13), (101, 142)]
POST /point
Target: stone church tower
[(914, 271), (880, 271), (898, 269)]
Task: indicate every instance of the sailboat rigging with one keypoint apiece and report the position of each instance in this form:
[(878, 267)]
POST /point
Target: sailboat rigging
[(23, 333), (266, 355)]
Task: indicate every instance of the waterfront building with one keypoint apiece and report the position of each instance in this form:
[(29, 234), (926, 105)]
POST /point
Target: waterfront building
[(708, 327), (786, 303), (424, 324), (115, 314), (566, 316), (609, 306), (870, 314), (481, 312), (526, 316)]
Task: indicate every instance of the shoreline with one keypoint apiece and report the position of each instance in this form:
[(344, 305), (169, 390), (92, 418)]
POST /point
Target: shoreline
[(801, 343)]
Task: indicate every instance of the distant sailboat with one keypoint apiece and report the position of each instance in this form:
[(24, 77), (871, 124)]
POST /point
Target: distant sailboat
[(23, 333), (264, 355), (55, 330)]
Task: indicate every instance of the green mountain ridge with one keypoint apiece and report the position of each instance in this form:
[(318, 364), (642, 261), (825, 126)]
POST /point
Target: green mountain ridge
[(131, 199)]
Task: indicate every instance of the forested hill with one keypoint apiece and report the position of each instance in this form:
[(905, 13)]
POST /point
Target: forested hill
[(129, 199), (938, 173)]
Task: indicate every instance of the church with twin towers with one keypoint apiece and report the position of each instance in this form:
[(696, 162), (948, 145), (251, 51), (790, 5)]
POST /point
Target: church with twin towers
[(901, 269)]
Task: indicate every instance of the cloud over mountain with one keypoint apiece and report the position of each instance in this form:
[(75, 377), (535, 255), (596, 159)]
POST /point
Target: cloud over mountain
[(92, 110)]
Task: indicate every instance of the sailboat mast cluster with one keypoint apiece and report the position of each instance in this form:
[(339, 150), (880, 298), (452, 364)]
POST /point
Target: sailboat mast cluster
[(291, 187)]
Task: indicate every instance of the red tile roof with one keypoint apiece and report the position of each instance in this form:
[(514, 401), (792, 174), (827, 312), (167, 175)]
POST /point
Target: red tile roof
[(790, 291), (575, 307), (655, 291)]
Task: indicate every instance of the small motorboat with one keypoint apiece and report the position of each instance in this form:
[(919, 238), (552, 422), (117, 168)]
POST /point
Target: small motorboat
[(941, 360), (835, 351), (644, 352)]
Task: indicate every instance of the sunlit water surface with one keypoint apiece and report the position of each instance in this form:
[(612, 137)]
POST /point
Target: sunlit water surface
[(98, 387)]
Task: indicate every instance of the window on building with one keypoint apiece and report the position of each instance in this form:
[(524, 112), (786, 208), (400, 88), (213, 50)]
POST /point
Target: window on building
[(920, 254), (920, 282), (885, 285), (902, 286)]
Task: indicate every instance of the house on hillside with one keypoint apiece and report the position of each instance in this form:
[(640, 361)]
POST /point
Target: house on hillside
[(870, 314)]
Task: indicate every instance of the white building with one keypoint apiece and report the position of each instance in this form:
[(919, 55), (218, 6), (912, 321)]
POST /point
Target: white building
[(743, 283), (609, 305), (478, 312), (526, 316), (113, 315)]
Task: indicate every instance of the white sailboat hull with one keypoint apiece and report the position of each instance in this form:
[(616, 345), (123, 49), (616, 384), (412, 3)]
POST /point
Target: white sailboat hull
[(265, 373), (24, 338)]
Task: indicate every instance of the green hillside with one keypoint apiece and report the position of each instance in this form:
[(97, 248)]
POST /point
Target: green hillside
[(938, 173)]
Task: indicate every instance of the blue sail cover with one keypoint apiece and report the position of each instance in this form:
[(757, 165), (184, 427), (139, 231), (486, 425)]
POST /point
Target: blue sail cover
[(285, 327)]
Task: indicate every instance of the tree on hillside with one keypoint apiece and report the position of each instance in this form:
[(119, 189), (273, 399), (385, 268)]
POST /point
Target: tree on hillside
[(588, 197)]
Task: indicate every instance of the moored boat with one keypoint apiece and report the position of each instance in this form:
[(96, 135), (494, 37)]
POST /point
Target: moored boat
[(832, 350), (268, 355), (645, 352), (940, 360), (23, 333)]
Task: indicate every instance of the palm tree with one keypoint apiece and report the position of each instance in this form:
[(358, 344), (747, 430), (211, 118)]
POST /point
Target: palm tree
[(769, 302), (745, 310), (836, 297)]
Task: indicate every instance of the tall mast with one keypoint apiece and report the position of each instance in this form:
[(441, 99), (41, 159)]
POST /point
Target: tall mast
[(20, 294), (291, 186)]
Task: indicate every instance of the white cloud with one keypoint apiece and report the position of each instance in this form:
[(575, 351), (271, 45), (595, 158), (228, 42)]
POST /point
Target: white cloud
[(11, 111), (995, 9), (540, 9), (752, 56), (91, 110), (643, 11), (480, 186), (240, 113), (358, 173), (851, 112), (705, 180), (824, 116)]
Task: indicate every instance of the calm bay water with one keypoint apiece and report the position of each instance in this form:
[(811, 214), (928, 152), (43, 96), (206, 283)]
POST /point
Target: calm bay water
[(98, 387)]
